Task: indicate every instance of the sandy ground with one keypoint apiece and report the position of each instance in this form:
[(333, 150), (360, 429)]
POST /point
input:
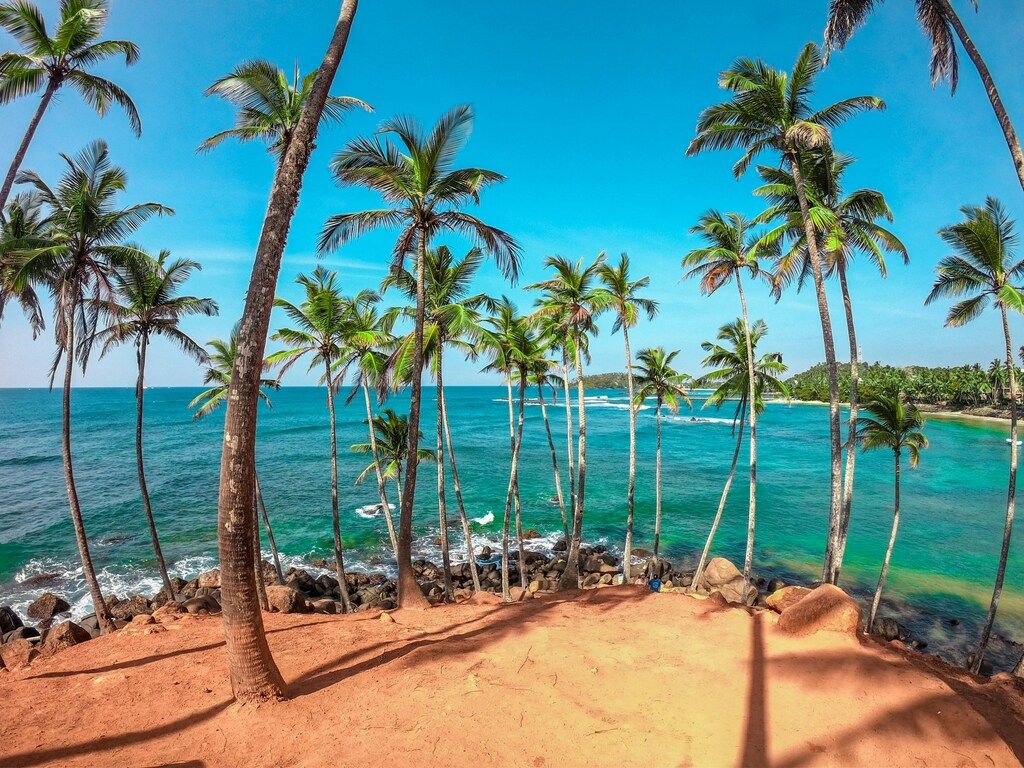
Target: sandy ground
[(616, 677)]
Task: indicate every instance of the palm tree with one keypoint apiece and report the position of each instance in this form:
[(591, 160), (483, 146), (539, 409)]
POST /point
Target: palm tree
[(320, 329), (996, 372), (49, 63), (391, 432), (84, 240), (627, 304), (543, 377), (254, 675), (730, 374), (982, 267), (221, 361), (427, 194), (571, 303), (655, 377), (146, 303), (891, 423), (939, 21), (22, 229), (770, 110), (731, 248), (845, 224), (269, 107)]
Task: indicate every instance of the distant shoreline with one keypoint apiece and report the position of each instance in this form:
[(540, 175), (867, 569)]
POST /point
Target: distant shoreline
[(930, 410)]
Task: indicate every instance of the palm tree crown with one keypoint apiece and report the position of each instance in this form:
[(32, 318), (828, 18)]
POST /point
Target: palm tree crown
[(727, 359), (392, 432), (894, 424), (218, 373), (655, 377), (731, 245), (21, 229), (624, 294)]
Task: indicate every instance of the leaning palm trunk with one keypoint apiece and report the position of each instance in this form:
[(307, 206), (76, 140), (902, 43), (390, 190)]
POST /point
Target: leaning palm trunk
[(339, 555), (748, 556), (835, 447), (851, 438), (554, 460), (382, 490), (140, 464), (254, 675), (571, 574), (627, 552), (568, 434), (657, 483), (513, 479), (518, 500), (442, 506), (261, 587), (888, 550), (19, 156), (270, 531), (1011, 494), (463, 517)]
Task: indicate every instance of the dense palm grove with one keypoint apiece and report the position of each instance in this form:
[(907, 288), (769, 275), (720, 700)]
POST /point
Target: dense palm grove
[(70, 238)]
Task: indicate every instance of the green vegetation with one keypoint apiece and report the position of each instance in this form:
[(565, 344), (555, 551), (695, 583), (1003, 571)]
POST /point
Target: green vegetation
[(613, 380)]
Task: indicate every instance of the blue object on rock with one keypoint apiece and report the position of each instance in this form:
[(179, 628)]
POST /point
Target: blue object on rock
[(655, 585)]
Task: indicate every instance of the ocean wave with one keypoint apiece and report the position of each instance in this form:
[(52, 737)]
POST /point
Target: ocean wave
[(484, 519), (25, 461), (371, 511)]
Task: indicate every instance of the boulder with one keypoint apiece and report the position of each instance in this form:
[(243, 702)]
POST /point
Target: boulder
[(284, 599), (200, 605), (64, 635), (826, 608), (178, 583), (783, 598), (733, 592), (143, 618), (531, 533), (324, 606), (209, 579), (47, 606), (40, 580), (560, 546), (719, 572), (21, 633), (18, 653), (130, 608), (169, 611), (9, 620), (774, 585), (518, 594), (889, 629)]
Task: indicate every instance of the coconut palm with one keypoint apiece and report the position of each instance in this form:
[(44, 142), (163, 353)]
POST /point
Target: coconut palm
[(320, 324), (269, 107), (845, 225), (996, 374), (891, 423), (85, 232), (427, 195), (21, 229), (627, 304), (939, 21), (770, 110), (391, 432), (147, 303), (982, 268), (655, 377), (730, 375), (221, 361), (543, 377), (49, 63), (730, 248)]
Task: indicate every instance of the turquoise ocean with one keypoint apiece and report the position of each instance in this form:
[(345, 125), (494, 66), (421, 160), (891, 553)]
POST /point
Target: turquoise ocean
[(943, 566)]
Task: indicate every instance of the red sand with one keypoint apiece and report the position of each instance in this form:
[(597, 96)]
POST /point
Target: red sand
[(617, 677)]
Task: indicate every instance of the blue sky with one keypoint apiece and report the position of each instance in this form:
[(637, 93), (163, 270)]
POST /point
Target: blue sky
[(586, 112)]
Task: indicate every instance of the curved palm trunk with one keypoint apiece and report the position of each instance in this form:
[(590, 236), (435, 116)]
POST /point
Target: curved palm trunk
[(721, 505), (888, 550), (339, 555), (261, 588), (270, 531), (442, 506), (554, 461), (851, 429), (102, 612), (254, 675), (571, 574), (19, 156), (627, 552), (1012, 142), (1011, 494), (474, 572), (513, 479), (835, 447), (568, 434), (748, 556), (382, 490), (519, 502), (657, 483), (140, 465)]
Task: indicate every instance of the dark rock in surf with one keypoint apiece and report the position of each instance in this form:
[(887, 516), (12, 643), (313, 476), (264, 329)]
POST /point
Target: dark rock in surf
[(47, 606), (9, 620)]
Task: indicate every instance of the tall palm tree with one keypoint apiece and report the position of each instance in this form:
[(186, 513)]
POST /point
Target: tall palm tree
[(655, 377), (939, 21), (48, 63), (21, 229), (391, 432), (221, 361), (730, 248), (320, 322), (982, 267), (543, 377), (891, 423), (845, 224), (627, 304), (428, 195), (730, 375), (770, 110), (269, 107), (85, 233), (254, 675), (147, 303)]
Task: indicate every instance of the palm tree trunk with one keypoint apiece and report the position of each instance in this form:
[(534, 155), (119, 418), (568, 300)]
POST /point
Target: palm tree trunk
[(568, 433), (510, 495), (554, 461), (463, 517), (270, 531), (102, 612), (254, 675), (571, 574), (19, 156), (261, 588), (990, 88), (627, 551), (382, 490), (339, 555), (518, 500), (143, 489), (888, 550), (835, 447), (851, 429), (442, 506), (657, 483), (1011, 494), (721, 503), (409, 593), (519, 506), (748, 556)]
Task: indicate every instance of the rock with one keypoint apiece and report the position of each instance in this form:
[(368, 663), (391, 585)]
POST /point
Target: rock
[(531, 533), (202, 604), (827, 608), (168, 611), (143, 618), (325, 606), (733, 592), (719, 572), (486, 552), (560, 546), (64, 635), (130, 608), (40, 580), (21, 633), (774, 585), (284, 599), (9, 620), (16, 654), (535, 586), (47, 606), (387, 618), (209, 579), (657, 568), (781, 599), (518, 594), (889, 629), (178, 583), (90, 624)]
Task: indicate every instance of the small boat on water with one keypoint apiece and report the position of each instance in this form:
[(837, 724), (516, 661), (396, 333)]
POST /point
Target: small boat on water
[(1019, 442)]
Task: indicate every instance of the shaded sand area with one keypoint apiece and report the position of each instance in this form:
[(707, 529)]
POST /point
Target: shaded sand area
[(617, 676)]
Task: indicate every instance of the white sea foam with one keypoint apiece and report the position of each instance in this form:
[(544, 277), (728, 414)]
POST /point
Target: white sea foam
[(370, 511), (484, 519)]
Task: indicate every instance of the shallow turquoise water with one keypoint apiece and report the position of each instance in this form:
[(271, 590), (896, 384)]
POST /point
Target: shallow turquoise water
[(943, 566)]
